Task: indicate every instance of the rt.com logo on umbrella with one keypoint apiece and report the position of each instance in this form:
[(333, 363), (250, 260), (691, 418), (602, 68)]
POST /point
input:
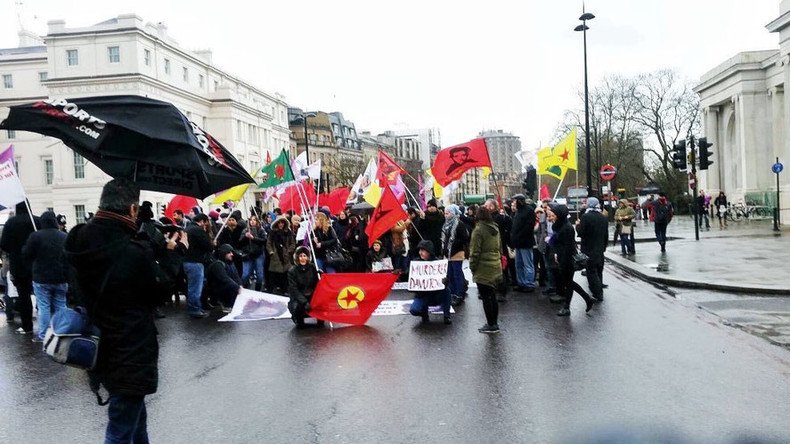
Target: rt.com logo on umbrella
[(209, 144), (71, 114)]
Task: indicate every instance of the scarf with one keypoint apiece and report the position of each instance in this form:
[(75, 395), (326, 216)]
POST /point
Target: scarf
[(448, 233), (125, 220)]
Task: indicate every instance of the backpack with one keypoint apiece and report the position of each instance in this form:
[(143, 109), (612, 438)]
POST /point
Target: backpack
[(663, 212)]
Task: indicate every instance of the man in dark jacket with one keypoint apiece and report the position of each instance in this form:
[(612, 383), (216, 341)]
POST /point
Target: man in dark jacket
[(593, 228), (44, 252), (522, 238), (115, 279), (197, 256), (15, 233), (662, 213)]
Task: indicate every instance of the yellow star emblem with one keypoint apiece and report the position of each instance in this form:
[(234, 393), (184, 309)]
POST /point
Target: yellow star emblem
[(349, 297)]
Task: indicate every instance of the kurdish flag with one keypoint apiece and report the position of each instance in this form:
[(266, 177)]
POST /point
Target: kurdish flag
[(276, 173), (350, 298), (556, 161)]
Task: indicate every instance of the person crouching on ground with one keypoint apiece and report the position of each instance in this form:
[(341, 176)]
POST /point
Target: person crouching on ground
[(376, 254), (485, 262), (425, 299), (222, 278), (302, 280)]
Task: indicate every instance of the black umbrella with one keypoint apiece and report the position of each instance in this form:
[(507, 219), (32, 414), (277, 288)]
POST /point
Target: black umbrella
[(362, 207), (148, 141)]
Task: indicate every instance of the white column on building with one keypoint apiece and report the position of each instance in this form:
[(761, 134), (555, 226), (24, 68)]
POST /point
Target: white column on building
[(712, 178)]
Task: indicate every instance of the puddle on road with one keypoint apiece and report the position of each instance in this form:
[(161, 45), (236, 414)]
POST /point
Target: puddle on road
[(660, 267)]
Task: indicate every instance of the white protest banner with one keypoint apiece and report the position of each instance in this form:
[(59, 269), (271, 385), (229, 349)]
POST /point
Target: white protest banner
[(391, 308), (427, 275), (383, 265), (11, 191), (256, 306)]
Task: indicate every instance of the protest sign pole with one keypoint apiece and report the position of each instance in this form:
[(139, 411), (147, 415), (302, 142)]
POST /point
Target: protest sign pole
[(559, 187)]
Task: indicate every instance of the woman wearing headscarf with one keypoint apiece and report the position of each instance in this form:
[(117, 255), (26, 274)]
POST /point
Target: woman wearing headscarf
[(485, 261), (280, 246), (302, 280), (455, 237), (563, 247)]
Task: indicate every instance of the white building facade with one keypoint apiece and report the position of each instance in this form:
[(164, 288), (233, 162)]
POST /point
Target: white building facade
[(118, 57), (747, 118)]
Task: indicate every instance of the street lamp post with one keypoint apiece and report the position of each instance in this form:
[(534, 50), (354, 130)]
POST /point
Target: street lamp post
[(306, 142), (583, 28)]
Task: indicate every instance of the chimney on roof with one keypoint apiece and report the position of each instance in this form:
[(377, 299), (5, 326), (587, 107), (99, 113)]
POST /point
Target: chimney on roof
[(204, 54), (27, 38)]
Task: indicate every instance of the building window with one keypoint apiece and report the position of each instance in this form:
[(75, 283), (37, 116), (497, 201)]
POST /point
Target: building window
[(216, 85), (12, 134), (43, 76), (147, 57), (79, 166), (72, 57), (201, 80), (49, 171), (186, 74), (8, 81), (239, 131), (167, 66), (114, 54), (79, 214)]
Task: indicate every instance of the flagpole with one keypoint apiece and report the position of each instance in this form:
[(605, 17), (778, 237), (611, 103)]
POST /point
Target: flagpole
[(559, 187), (310, 244), (30, 213)]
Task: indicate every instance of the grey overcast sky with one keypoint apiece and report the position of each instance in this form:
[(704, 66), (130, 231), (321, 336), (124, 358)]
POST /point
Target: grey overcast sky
[(460, 66)]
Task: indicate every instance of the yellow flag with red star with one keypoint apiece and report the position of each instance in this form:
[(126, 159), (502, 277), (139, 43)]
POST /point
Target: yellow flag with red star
[(565, 151)]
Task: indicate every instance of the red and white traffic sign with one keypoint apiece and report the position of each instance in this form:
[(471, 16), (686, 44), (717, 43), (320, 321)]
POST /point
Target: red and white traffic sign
[(608, 172)]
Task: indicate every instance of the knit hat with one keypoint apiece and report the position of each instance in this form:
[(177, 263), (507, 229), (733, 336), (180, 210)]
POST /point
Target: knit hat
[(224, 249), (376, 242), (213, 214)]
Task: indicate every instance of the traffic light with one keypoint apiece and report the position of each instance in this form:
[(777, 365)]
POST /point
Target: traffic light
[(530, 183), (679, 155), (704, 154)]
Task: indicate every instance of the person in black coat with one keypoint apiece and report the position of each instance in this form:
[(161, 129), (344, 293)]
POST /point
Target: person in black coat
[(198, 255), (522, 239), (563, 248), (223, 283), (15, 233), (44, 252), (302, 280), (431, 226), (593, 229), (253, 244), (115, 279)]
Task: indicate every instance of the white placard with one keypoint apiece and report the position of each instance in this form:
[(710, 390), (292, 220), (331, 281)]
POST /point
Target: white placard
[(427, 275)]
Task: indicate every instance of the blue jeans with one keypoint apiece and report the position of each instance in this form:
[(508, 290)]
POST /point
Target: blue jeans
[(256, 265), (661, 233), (627, 242), (421, 303), (128, 420), (455, 277), (194, 272), (49, 297), (525, 267), (323, 266)]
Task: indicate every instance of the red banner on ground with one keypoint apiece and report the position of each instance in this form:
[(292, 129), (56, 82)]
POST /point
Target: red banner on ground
[(350, 298)]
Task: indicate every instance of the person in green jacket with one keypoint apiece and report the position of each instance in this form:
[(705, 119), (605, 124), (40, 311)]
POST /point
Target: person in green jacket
[(625, 217), (485, 262)]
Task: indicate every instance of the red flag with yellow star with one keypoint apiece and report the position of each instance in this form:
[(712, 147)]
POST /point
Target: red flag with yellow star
[(350, 298)]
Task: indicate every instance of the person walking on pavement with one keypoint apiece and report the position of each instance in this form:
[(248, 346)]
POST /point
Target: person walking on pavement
[(661, 213), (625, 217), (522, 237), (702, 202), (563, 247), (44, 252), (197, 256), (720, 203), (485, 262), (115, 278), (593, 229), (15, 233)]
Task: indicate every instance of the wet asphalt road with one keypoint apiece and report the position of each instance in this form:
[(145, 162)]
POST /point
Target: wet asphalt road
[(642, 362)]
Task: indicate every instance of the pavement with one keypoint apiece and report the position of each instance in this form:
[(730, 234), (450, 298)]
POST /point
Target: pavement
[(738, 274), (747, 257)]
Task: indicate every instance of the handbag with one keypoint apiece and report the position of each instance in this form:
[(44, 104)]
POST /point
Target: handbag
[(580, 261), (338, 258), (72, 339), (625, 229)]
